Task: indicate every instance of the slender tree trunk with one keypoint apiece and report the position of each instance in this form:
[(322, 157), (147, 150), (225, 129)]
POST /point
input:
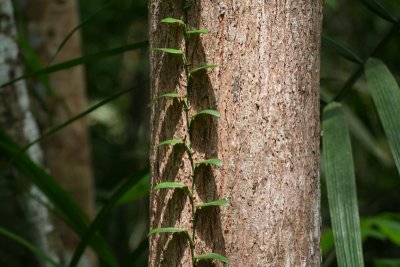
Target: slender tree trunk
[(68, 152), (21, 204), (267, 91)]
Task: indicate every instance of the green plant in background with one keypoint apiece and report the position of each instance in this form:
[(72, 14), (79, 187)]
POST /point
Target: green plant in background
[(190, 190)]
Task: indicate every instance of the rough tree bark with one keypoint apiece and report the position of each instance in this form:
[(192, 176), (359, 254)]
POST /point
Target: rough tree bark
[(68, 152), (267, 91), (21, 204)]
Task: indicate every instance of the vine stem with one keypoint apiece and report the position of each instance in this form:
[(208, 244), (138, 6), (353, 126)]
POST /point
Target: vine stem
[(186, 102)]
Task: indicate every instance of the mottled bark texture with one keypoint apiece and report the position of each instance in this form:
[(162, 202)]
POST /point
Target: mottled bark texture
[(266, 88), (21, 204), (67, 152)]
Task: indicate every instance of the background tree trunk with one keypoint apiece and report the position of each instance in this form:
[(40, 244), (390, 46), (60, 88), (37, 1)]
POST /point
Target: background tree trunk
[(21, 204), (68, 152), (267, 90)]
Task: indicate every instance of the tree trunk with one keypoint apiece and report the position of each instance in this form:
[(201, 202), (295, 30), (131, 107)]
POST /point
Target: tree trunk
[(68, 152), (21, 204), (267, 91)]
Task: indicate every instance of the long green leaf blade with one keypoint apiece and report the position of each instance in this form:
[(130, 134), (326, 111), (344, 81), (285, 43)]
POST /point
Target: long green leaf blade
[(212, 256), (39, 253), (169, 50), (386, 95), (166, 230), (216, 203), (173, 20), (169, 185), (342, 50), (341, 187), (79, 61)]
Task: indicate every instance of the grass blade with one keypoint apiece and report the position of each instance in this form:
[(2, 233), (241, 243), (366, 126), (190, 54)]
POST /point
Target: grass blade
[(70, 211), (386, 95), (77, 117), (341, 187), (105, 210), (212, 256), (342, 50), (79, 61), (39, 253)]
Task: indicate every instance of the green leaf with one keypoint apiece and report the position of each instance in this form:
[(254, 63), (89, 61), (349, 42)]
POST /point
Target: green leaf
[(379, 10), (167, 185), (213, 161), (221, 202), (387, 263), (341, 187), (212, 256), (327, 242), (211, 112), (169, 50), (70, 211), (172, 95), (198, 31), (171, 142), (79, 61), (342, 50), (205, 67), (166, 230), (35, 250), (390, 228), (386, 95), (120, 193), (173, 20)]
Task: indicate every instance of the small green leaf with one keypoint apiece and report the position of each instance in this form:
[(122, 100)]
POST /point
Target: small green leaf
[(171, 142), (172, 95), (213, 161), (198, 31), (211, 112), (169, 50), (212, 256), (205, 67), (173, 20), (221, 202), (166, 230), (167, 185), (340, 49)]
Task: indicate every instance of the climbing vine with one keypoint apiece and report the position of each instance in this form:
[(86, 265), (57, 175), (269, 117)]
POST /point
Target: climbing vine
[(189, 189)]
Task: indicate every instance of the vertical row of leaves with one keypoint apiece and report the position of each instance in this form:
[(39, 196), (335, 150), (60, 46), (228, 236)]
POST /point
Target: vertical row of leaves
[(189, 189), (341, 187)]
